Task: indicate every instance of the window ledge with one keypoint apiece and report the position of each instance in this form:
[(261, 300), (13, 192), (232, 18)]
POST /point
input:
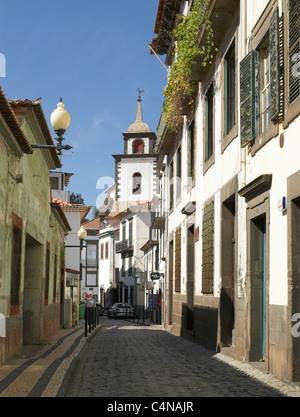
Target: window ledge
[(229, 138), (207, 164), (291, 112), (265, 137)]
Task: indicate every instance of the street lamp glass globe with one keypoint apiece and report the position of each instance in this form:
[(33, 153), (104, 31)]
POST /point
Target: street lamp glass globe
[(82, 233), (60, 118)]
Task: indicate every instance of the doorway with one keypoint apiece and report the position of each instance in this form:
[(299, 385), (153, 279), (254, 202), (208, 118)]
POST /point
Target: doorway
[(258, 277), (227, 299), (32, 301), (190, 278), (171, 270), (295, 283)]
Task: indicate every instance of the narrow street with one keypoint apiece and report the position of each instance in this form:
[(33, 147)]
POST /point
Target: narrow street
[(124, 359), (130, 360)]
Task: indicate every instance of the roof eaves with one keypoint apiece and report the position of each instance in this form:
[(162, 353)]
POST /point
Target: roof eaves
[(61, 214), (13, 124), (41, 119)]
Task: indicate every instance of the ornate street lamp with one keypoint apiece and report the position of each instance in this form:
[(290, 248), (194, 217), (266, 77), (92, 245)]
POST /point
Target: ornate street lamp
[(60, 121), (82, 233)]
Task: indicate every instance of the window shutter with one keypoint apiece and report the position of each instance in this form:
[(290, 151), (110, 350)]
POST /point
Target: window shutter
[(256, 92), (275, 65), (247, 75), (206, 127), (208, 249), (294, 50), (178, 260)]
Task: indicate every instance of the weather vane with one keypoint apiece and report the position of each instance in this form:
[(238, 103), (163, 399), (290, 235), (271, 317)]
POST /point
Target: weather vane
[(140, 91)]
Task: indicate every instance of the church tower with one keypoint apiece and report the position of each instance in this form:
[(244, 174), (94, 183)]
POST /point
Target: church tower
[(135, 170)]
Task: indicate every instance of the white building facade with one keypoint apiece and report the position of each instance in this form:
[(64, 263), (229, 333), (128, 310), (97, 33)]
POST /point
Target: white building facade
[(231, 275), (136, 184)]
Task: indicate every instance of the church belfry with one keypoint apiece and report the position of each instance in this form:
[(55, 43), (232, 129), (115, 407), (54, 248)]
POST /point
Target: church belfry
[(136, 168)]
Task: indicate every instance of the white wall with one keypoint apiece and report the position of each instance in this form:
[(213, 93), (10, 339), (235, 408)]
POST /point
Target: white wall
[(128, 167)]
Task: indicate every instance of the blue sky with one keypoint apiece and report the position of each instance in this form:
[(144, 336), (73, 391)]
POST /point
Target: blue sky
[(95, 55)]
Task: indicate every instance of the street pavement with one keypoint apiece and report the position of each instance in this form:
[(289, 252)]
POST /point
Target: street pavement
[(124, 359), (130, 360)]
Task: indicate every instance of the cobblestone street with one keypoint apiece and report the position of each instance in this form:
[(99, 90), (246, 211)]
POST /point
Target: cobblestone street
[(124, 359), (130, 360)]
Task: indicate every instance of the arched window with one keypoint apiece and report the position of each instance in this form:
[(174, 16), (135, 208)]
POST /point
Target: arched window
[(136, 183), (138, 146)]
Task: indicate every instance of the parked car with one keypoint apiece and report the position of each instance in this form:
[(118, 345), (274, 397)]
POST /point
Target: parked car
[(100, 309), (120, 310)]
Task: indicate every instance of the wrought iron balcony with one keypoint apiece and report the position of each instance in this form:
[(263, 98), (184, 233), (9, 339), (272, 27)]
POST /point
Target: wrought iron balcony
[(124, 246)]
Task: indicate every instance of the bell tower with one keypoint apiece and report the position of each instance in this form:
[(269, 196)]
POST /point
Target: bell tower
[(136, 168)]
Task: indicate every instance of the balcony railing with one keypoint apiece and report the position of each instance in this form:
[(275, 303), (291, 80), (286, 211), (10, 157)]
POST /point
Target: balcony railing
[(124, 246), (92, 262)]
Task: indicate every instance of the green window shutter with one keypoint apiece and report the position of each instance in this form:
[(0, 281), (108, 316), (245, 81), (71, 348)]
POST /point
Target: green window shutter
[(206, 127), (208, 248), (275, 64), (256, 94), (247, 82), (294, 49)]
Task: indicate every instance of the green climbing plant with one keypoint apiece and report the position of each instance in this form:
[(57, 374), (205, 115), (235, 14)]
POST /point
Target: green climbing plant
[(187, 33)]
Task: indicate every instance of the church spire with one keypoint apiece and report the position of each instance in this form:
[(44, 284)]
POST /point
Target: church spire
[(139, 126), (139, 115)]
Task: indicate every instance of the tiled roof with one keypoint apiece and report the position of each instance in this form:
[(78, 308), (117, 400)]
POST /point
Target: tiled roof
[(13, 124), (167, 13), (72, 208), (18, 105), (93, 224), (62, 216), (61, 202)]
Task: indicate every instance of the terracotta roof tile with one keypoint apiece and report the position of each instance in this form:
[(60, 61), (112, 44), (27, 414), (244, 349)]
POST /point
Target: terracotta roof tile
[(40, 116), (93, 224), (61, 202), (13, 124)]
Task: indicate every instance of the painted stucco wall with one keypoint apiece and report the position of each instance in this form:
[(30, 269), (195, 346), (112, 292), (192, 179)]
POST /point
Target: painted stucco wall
[(25, 193)]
